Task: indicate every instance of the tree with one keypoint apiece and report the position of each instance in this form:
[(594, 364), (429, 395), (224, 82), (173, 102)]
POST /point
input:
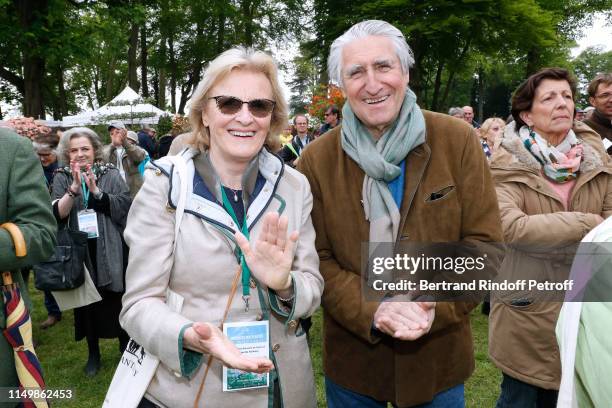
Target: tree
[(452, 41), (586, 66), (304, 83)]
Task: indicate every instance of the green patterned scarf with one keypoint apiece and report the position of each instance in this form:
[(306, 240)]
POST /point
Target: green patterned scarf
[(380, 162)]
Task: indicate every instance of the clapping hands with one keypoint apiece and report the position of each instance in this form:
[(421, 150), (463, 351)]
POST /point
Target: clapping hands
[(78, 176), (207, 338), (405, 320), (271, 257)]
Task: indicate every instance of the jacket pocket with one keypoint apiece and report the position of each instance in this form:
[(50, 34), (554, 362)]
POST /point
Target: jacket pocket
[(440, 194)]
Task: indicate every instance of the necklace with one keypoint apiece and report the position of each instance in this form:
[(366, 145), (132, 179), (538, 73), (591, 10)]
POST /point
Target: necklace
[(235, 194)]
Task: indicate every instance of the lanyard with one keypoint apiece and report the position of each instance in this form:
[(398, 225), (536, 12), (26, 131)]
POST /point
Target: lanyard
[(85, 192), (246, 272), (290, 146)]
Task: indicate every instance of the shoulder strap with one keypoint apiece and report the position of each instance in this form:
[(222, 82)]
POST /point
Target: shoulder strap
[(181, 170)]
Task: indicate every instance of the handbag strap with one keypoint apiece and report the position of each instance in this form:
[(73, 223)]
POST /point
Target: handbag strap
[(225, 313)]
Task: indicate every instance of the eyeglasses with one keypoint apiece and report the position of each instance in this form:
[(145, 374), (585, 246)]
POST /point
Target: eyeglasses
[(229, 105), (604, 96)]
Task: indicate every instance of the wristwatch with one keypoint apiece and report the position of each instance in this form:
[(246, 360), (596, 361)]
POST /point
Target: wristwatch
[(98, 195)]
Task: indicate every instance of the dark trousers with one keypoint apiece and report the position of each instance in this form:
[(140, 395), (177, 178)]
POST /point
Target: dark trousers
[(51, 305), (518, 394)]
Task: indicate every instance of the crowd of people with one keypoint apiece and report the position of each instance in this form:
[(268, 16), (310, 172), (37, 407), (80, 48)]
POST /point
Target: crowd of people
[(247, 232)]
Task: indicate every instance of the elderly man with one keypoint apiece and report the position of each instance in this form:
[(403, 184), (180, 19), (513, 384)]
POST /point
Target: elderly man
[(457, 112), (292, 151), (392, 172), (600, 97), (125, 155), (468, 116)]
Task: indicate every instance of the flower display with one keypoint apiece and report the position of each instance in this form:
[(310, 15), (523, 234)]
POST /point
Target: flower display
[(27, 127), (325, 96)]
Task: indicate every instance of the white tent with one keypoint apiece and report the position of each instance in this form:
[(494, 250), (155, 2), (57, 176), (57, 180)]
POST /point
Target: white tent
[(128, 107)]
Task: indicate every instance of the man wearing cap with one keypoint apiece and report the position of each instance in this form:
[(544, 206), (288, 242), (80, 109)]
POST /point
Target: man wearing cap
[(126, 156), (580, 114)]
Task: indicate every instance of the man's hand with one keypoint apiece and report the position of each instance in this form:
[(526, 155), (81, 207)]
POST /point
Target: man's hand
[(118, 136), (405, 320), (207, 338)]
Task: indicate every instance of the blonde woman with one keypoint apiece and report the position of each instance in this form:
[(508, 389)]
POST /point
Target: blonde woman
[(491, 133), (247, 219)]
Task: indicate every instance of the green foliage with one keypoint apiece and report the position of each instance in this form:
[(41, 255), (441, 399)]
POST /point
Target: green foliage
[(164, 125), (466, 52), (83, 45), (586, 66)]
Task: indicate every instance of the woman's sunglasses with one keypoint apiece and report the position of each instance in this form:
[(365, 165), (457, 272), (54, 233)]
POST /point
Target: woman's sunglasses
[(229, 105)]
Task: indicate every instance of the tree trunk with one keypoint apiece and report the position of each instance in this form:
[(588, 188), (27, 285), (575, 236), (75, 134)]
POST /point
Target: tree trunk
[(481, 79), (143, 61), (132, 61), (220, 32), (155, 83), (194, 75), (246, 10), (533, 62), (110, 81), (451, 75), (173, 72), (33, 75), (33, 17), (63, 104), (437, 83), (416, 71), (96, 85)]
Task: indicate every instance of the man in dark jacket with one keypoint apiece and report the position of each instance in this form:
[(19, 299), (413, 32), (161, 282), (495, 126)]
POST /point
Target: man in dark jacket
[(600, 97), (146, 140), (292, 151), (331, 118), (24, 201), (393, 174)]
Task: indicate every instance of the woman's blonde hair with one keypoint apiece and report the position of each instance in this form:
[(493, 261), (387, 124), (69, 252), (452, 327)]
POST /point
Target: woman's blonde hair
[(488, 124), (243, 59)]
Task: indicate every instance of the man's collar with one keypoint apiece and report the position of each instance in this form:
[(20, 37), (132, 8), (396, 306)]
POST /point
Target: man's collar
[(601, 118)]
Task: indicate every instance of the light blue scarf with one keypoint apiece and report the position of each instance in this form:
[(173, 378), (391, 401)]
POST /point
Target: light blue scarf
[(380, 162)]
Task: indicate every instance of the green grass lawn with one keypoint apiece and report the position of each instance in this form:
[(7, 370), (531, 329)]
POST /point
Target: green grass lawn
[(63, 360)]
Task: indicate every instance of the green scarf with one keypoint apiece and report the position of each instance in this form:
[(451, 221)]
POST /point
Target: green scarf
[(380, 162)]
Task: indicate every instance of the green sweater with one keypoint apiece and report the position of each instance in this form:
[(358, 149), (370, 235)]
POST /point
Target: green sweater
[(24, 201)]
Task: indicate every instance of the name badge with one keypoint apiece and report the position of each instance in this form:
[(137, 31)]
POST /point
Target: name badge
[(88, 222), (253, 340)]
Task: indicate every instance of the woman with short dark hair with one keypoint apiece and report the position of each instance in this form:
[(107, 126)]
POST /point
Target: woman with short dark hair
[(554, 184)]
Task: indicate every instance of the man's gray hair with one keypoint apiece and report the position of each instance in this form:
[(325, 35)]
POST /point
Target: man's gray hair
[(456, 110), (361, 30)]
